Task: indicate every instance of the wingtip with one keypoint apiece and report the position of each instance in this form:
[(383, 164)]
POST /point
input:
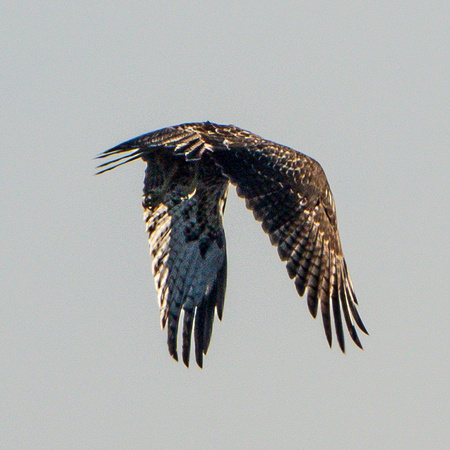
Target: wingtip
[(174, 355), (199, 359), (363, 329), (312, 306), (357, 341), (341, 344)]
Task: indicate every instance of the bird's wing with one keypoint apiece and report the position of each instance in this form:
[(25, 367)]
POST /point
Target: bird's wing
[(289, 193), (183, 202)]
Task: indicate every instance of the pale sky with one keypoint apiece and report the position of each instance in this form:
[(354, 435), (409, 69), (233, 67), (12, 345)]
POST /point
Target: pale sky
[(361, 87)]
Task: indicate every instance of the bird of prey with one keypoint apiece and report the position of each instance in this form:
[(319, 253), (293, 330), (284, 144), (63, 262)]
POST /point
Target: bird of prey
[(189, 169)]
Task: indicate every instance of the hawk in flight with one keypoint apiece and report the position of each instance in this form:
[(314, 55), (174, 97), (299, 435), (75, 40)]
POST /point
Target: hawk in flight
[(189, 169)]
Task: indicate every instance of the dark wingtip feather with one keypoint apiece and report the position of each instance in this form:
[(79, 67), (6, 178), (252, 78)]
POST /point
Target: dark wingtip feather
[(334, 298), (111, 167), (199, 358), (313, 302), (172, 332), (201, 331), (329, 336), (219, 311), (357, 341), (354, 311), (338, 320), (204, 317), (354, 335), (360, 324), (300, 286), (221, 286), (346, 309), (187, 332), (326, 319), (358, 319), (127, 151)]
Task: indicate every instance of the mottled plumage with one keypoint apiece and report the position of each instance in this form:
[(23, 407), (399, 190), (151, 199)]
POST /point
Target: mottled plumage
[(189, 168)]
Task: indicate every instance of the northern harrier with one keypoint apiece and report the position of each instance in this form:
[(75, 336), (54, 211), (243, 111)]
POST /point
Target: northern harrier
[(189, 169)]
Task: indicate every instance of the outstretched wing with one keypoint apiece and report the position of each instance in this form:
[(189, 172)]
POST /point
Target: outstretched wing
[(188, 170), (183, 205), (289, 193)]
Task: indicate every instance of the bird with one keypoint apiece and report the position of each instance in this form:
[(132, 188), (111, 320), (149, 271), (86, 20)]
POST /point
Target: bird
[(189, 170)]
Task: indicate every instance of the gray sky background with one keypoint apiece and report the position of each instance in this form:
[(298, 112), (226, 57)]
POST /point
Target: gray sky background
[(360, 86)]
